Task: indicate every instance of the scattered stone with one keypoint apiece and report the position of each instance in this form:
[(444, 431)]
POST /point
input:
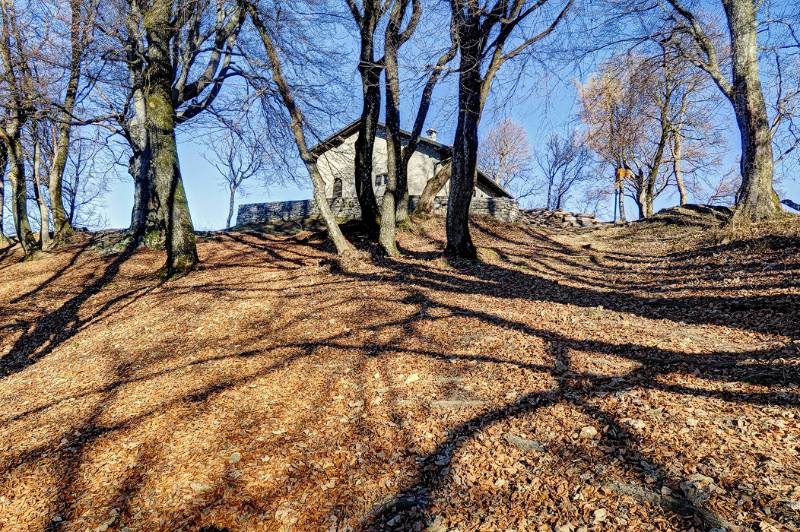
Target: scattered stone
[(235, 457), (692, 422), (412, 378), (588, 433), (199, 486), (599, 516), (637, 424), (559, 219), (525, 444), (698, 488)]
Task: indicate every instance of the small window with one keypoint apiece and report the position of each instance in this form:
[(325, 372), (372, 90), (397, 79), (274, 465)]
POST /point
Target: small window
[(378, 179), (381, 179), (385, 179), (337, 188)]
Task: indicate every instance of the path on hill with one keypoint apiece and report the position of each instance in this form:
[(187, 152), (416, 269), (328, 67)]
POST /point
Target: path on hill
[(614, 378)]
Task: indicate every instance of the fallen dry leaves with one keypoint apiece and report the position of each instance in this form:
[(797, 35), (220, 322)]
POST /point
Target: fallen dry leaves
[(603, 379)]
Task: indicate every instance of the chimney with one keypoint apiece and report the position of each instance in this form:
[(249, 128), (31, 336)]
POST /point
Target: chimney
[(431, 133)]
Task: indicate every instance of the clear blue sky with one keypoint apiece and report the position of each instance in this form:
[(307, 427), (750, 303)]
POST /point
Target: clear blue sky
[(543, 103)]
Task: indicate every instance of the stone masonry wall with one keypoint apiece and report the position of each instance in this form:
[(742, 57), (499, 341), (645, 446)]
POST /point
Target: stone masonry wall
[(504, 209)]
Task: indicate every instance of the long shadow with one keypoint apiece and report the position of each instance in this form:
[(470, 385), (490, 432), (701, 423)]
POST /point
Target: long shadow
[(780, 312), (56, 274), (55, 328), (412, 504)]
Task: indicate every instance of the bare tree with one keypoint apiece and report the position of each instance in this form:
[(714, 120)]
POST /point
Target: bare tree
[(613, 109), (3, 163), (269, 20), (86, 180), (564, 165), (396, 184), (19, 99), (176, 56), (646, 116), (505, 157), (81, 24), (39, 187), (367, 18), (482, 33), (693, 38), (238, 158)]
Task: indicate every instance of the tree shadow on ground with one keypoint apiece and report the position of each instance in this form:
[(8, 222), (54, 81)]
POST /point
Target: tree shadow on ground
[(54, 328), (413, 503)]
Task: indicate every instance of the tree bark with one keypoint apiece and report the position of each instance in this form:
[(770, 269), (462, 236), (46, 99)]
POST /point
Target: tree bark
[(19, 197), (426, 201), (756, 199), (175, 221), (3, 163), (62, 227), (620, 185), (397, 183), (677, 159), (465, 148), (370, 71), (343, 246), (44, 212), (230, 206)]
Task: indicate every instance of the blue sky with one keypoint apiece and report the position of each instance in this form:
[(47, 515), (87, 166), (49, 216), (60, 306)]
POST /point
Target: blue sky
[(543, 102)]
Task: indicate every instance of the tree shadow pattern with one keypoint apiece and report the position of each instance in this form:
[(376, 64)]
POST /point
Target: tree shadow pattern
[(425, 292)]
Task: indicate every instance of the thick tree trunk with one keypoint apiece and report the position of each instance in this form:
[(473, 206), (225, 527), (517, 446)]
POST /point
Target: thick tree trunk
[(465, 147), (19, 197), (164, 171), (365, 142), (756, 199), (641, 203)]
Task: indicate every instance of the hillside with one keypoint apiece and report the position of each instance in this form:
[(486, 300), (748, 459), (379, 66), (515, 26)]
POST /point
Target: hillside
[(641, 377)]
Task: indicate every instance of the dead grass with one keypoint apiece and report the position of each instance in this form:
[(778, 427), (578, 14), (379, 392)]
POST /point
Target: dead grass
[(606, 378)]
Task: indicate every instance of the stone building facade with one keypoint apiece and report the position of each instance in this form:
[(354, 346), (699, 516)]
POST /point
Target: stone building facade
[(335, 160)]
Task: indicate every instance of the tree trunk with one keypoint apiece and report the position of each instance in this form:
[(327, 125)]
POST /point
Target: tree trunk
[(621, 198), (164, 171), (19, 196), (641, 203), (44, 212), (365, 142), (465, 147), (677, 156), (3, 162), (394, 148), (425, 206), (756, 199), (62, 227), (230, 206), (343, 246)]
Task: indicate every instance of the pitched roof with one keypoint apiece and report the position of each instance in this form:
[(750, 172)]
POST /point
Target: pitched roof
[(446, 152)]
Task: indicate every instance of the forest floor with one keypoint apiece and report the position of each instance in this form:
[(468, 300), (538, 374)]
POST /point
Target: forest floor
[(640, 377)]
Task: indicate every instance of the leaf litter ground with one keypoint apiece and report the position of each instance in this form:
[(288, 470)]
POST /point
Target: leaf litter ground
[(615, 378)]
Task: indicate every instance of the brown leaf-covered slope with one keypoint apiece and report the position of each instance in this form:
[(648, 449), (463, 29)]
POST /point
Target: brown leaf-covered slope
[(633, 377)]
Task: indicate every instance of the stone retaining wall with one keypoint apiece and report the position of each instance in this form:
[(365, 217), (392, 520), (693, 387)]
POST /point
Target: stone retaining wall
[(504, 209)]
